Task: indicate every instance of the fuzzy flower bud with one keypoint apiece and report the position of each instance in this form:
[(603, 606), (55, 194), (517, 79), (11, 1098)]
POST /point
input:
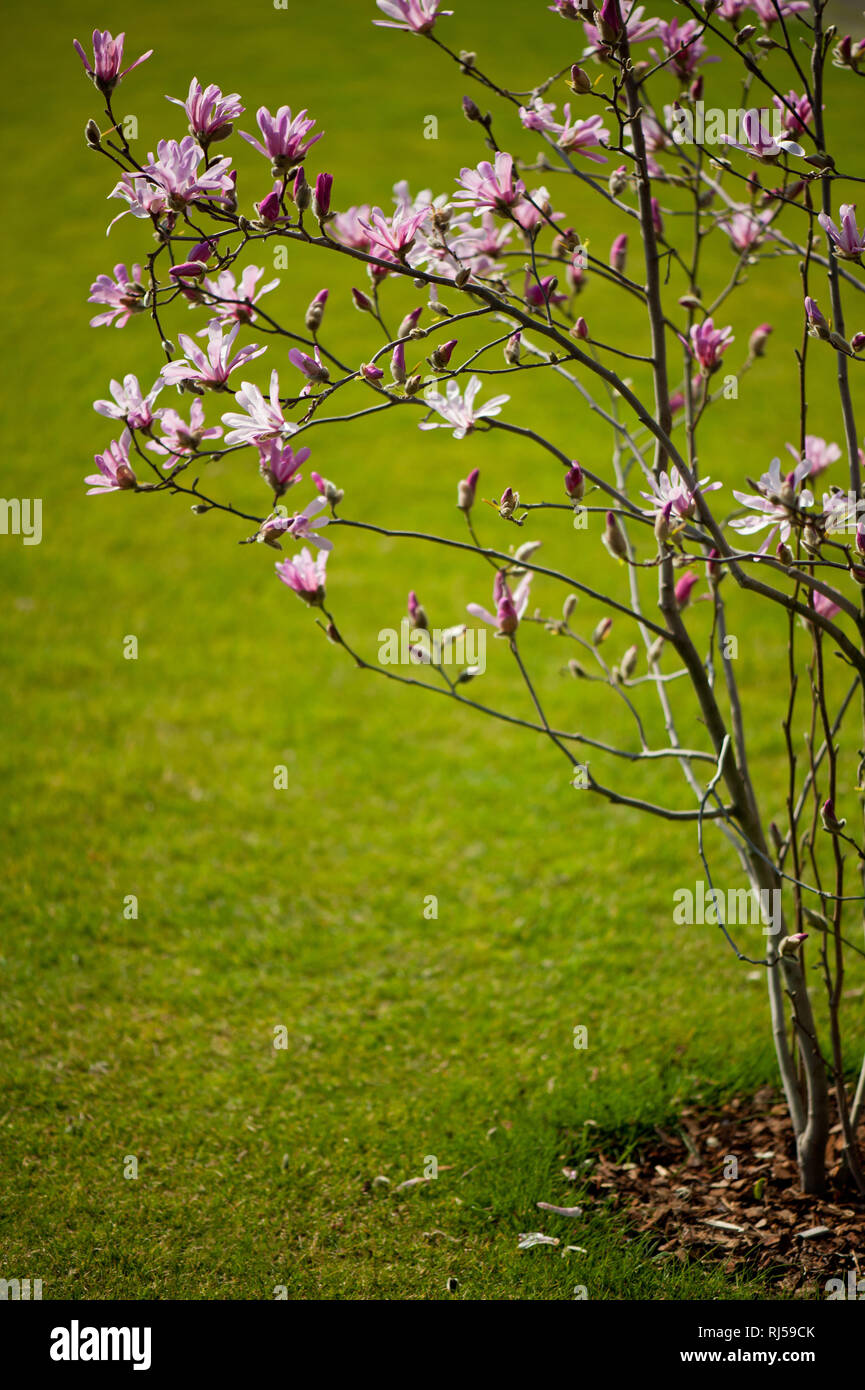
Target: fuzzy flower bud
[(466, 490), (93, 135), (397, 365), (817, 325), (758, 340), (328, 489), (619, 252), (602, 631), (301, 191), (441, 355), (315, 312), (417, 615), (409, 322), (628, 664), (371, 373), (683, 589), (512, 349), (580, 329), (362, 301), (614, 537), (575, 482), (579, 81), (321, 196)]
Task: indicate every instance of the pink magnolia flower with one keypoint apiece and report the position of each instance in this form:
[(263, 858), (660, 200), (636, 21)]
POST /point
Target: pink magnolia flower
[(105, 71), (210, 370), (312, 367), (818, 454), (209, 112), (115, 471), (848, 241), (394, 235), (581, 137), (459, 411), (767, 10), (305, 575), (827, 608), (300, 526), (796, 120), (671, 488), (490, 187), (350, 228), (129, 404), (415, 16), (778, 497), (124, 295), (176, 172), (179, 438), (285, 137), (759, 142), (684, 49), (279, 463), (143, 198), (538, 295), (235, 300), (263, 419), (746, 229), (481, 248), (509, 607), (709, 343)]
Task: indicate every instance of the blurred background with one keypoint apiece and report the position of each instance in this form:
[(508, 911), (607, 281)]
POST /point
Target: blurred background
[(259, 908)]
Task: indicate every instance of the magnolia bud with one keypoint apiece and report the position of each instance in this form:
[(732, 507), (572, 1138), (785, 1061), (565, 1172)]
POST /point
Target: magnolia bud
[(441, 355), (619, 252), (512, 349), (409, 322), (579, 81), (397, 365), (785, 554), (413, 384), (580, 329), (466, 490), (93, 135), (328, 489), (618, 180), (758, 340), (857, 342), (371, 373), (471, 110), (301, 191), (614, 537), (417, 614), (362, 301), (654, 652), (321, 197), (509, 503), (462, 277), (602, 631), (568, 606), (790, 945), (628, 664), (575, 482), (315, 312)]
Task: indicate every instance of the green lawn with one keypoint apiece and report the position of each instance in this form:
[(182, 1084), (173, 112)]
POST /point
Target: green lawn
[(258, 908)]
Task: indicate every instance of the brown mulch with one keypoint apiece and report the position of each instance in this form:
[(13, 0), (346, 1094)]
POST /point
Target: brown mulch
[(674, 1189)]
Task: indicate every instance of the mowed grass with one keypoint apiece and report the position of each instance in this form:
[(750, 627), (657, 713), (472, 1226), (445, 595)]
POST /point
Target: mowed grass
[(408, 1036)]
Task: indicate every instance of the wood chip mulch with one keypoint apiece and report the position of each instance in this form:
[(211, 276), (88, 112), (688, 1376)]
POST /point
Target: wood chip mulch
[(674, 1188)]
